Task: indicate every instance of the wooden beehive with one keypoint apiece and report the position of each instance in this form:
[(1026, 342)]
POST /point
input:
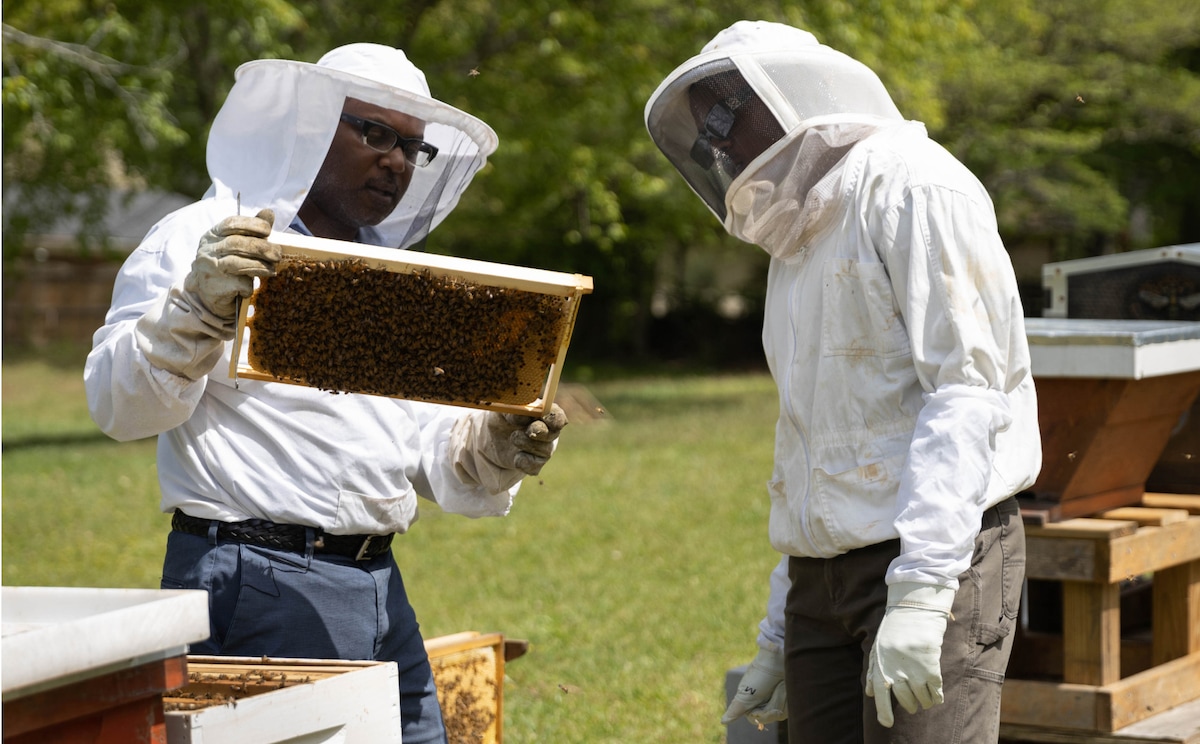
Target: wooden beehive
[(231, 700), (468, 669), (1109, 394), (351, 318)]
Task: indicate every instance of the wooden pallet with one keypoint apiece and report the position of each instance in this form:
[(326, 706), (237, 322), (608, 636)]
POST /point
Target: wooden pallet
[(1080, 684), (1179, 725)]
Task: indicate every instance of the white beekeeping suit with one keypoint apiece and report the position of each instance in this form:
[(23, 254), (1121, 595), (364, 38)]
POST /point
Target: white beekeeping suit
[(266, 147), (285, 499), (893, 329)]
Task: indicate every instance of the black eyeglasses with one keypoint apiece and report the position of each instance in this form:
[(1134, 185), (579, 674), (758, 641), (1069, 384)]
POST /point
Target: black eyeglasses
[(382, 138), (717, 125)]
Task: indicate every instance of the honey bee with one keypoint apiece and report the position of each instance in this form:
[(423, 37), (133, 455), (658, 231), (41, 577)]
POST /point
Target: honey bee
[(407, 334)]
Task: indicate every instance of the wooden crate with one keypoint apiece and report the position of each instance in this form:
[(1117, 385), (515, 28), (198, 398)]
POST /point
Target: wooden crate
[(1077, 681), (347, 317)]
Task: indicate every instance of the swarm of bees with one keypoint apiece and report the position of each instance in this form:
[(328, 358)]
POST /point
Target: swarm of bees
[(344, 326)]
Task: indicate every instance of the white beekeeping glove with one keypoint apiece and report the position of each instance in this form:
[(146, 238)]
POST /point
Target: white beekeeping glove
[(761, 693), (906, 659), (185, 332), (497, 450)]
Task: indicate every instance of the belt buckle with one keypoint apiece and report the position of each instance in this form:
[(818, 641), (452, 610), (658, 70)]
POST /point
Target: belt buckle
[(361, 555)]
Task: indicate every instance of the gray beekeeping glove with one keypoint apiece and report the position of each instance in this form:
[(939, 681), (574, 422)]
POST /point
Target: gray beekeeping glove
[(497, 450), (184, 334), (761, 693)]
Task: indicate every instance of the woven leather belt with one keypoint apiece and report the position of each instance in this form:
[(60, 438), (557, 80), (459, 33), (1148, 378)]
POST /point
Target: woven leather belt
[(289, 537)]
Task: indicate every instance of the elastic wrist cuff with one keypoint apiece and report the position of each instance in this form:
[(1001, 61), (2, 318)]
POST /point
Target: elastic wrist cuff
[(921, 596)]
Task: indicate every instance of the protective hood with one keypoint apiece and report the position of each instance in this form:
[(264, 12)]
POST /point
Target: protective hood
[(750, 93), (270, 137)]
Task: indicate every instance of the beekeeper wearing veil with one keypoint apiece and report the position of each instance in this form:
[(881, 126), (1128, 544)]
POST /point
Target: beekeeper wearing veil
[(285, 499), (908, 420)]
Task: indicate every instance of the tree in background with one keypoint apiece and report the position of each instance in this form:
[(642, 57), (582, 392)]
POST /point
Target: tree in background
[(1082, 117), (1083, 120)]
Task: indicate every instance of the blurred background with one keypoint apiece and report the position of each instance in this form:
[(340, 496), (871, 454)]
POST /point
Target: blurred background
[(1082, 118), (636, 564)]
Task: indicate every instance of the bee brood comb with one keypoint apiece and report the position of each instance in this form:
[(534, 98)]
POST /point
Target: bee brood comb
[(349, 318)]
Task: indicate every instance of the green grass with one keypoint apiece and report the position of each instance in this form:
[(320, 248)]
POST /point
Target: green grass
[(635, 565)]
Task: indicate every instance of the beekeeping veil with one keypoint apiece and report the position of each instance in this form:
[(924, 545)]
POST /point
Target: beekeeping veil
[(733, 120), (270, 137)]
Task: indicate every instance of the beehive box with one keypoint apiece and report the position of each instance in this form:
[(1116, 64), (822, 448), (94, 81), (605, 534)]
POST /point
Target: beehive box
[(469, 671), (238, 700), (1110, 392), (351, 318)]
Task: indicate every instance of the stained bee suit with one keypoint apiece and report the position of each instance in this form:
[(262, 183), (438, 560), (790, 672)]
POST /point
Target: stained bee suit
[(908, 420), (285, 498)]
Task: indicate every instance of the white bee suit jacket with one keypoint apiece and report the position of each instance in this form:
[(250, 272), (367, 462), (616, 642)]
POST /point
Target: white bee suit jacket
[(350, 464), (897, 339), (893, 324)]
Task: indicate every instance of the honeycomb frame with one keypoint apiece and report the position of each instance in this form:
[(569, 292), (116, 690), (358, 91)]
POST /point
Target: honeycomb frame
[(490, 336)]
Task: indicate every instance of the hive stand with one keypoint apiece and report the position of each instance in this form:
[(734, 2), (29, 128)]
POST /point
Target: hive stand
[(1091, 557)]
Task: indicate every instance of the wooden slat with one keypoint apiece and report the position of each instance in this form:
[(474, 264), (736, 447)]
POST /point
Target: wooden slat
[(1188, 502), (1067, 706), (1176, 613), (1087, 527), (1178, 725), (1155, 548), (1145, 516), (485, 272), (1153, 691), (1104, 708), (450, 644), (1092, 645)]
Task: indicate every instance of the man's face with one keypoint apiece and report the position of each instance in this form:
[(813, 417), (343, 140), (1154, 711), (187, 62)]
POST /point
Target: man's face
[(358, 186), (736, 134)]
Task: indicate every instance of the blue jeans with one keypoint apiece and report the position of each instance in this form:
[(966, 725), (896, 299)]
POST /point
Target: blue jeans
[(266, 602), (834, 609)]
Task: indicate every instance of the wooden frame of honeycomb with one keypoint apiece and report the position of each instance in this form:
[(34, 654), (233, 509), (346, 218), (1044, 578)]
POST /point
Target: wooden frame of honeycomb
[(352, 318), (468, 670)]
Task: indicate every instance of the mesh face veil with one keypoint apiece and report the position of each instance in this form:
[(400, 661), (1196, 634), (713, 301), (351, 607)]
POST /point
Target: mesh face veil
[(698, 121), (270, 138), (756, 84)]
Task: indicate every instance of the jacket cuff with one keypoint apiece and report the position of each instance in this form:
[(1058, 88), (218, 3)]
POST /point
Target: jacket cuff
[(921, 596)]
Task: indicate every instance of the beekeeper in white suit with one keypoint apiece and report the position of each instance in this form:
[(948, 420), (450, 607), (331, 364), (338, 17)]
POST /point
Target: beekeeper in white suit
[(908, 420), (284, 498)]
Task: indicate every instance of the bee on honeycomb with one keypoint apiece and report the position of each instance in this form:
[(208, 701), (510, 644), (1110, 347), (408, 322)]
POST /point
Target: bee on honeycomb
[(344, 326)]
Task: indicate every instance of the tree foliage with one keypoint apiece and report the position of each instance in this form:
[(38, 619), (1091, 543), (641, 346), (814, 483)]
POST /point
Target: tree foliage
[(1081, 116)]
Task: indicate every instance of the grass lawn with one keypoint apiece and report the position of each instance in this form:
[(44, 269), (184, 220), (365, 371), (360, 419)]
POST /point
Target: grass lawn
[(635, 565)]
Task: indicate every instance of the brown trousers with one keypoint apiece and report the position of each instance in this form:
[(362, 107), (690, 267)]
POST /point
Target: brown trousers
[(833, 612)]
